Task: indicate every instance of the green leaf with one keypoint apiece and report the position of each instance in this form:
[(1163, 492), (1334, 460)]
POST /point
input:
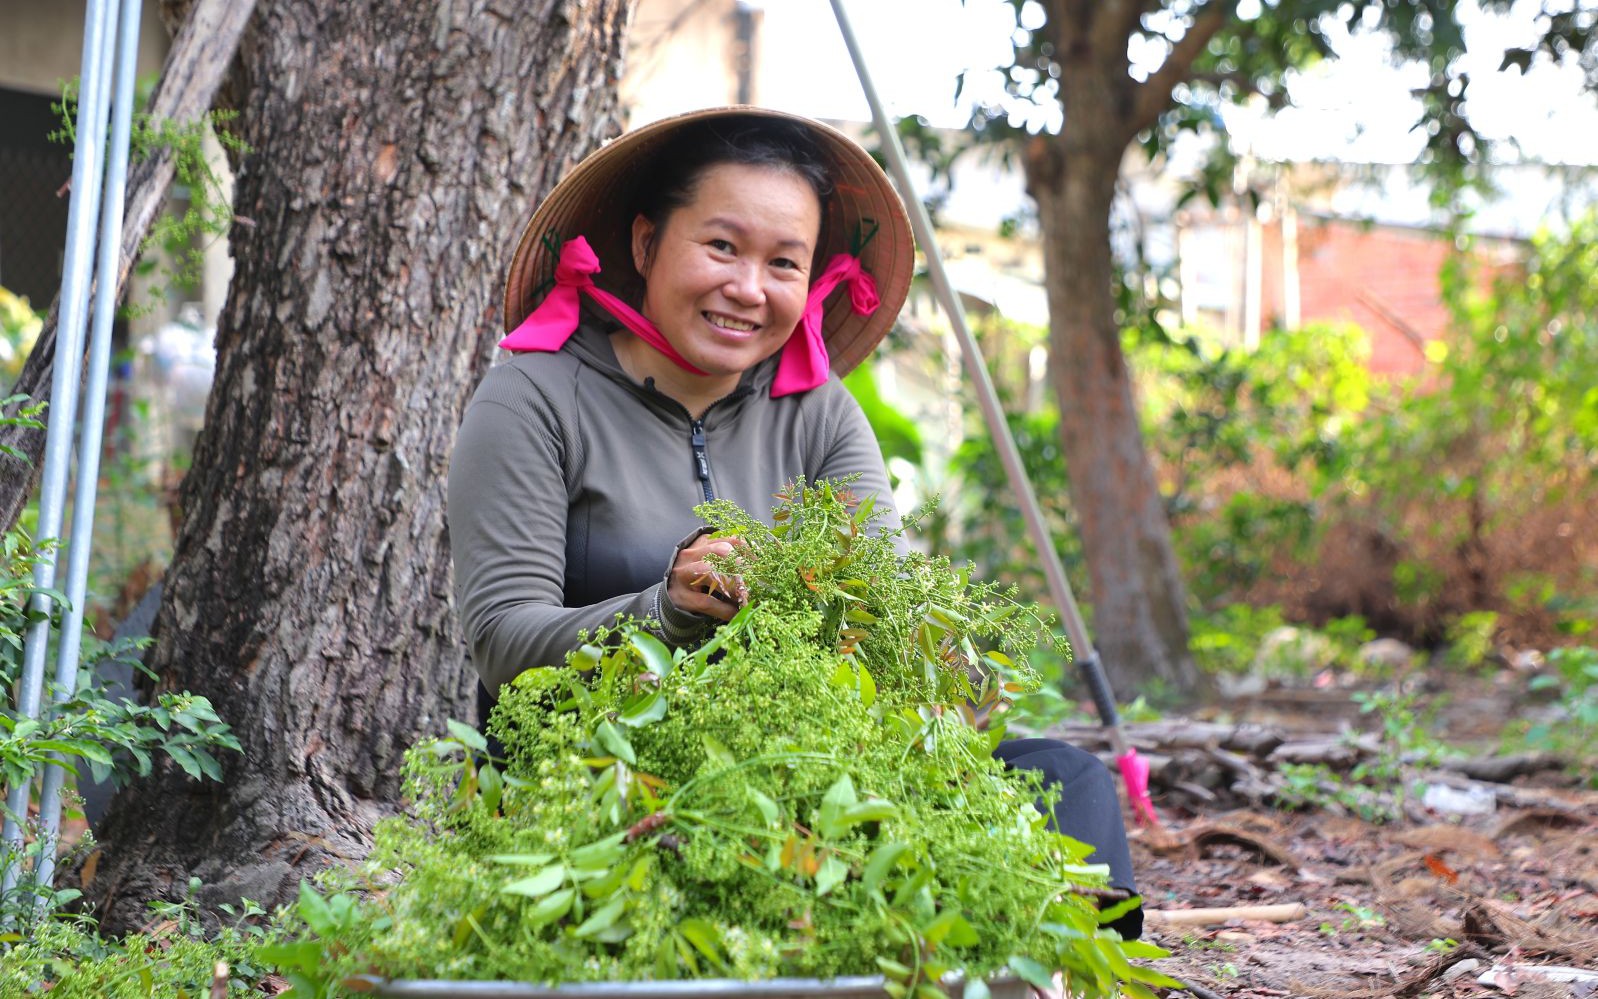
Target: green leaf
[(705, 938), (313, 908), (842, 675), (881, 861), (893, 969), (644, 709), (615, 743), (872, 810), (868, 687), (466, 735), (585, 657), (767, 808), (600, 855), (715, 753), (953, 928), (1032, 972), (832, 873), (540, 884), (208, 765), (523, 859), (491, 785), (976, 988), (186, 760), (551, 908), (839, 796), (603, 918), (654, 652)]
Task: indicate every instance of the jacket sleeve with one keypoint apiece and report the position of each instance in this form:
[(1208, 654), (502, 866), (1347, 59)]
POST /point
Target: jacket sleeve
[(508, 502), (849, 447)]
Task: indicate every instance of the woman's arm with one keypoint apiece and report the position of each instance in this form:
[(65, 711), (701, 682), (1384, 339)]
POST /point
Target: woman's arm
[(509, 492)]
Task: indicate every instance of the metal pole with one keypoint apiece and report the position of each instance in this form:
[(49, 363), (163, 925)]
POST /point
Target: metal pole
[(93, 422), (87, 168), (1133, 770)]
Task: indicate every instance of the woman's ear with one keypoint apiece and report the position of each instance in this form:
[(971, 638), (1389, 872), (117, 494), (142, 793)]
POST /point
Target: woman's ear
[(643, 245)]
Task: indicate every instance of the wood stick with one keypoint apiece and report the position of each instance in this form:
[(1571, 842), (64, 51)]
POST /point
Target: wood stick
[(1284, 913)]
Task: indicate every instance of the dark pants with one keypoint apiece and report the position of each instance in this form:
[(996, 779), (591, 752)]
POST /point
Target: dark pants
[(1087, 809)]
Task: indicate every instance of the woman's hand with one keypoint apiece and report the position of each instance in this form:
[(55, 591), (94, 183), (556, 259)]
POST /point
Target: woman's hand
[(695, 585)]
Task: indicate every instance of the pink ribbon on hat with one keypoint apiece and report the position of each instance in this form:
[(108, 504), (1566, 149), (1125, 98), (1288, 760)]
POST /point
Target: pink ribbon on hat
[(548, 327), (804, 363)]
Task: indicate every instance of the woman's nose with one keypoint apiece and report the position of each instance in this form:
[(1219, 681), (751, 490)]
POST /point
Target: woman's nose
[(744, 285)]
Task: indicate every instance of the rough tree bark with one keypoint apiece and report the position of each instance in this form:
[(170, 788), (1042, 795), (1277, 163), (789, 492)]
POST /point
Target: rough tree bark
[(396, 148), (195, 65), (1139, 603)]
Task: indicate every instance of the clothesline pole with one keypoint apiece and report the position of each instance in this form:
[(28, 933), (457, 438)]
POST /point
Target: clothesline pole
[(1134, 771), (77, 272)]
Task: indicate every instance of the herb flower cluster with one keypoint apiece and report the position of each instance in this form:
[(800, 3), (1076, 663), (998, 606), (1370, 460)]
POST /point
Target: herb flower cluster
[(810, 793)]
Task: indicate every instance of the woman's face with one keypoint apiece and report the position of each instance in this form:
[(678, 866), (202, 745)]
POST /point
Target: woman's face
[(727, 274)]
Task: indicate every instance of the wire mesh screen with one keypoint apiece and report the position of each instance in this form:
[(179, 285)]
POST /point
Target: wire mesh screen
[(33, 203)]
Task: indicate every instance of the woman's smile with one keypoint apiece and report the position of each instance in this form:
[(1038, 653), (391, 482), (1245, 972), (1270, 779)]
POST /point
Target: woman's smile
[(726, 276)]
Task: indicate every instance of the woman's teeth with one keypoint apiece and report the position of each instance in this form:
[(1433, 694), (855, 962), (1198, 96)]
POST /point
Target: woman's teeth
[(728, 323)]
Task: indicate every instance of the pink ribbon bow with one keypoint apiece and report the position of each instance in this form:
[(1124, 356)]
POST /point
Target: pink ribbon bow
[(548, 327), (804, 363)]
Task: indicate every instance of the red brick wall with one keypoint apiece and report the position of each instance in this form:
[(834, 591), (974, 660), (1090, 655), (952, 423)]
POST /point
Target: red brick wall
[(1384, 279)]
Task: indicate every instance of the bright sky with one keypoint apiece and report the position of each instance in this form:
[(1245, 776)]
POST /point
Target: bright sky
[(1355, 108)]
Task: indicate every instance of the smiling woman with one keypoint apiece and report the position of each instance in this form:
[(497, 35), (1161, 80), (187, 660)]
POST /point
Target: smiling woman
[(726, 277), (676, 315), (679, 330)]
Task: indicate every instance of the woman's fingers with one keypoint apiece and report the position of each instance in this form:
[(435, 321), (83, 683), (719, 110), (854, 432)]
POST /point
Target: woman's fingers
[(698, 586)]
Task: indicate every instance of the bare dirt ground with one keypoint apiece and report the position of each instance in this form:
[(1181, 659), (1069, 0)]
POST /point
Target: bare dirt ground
[(1437, 904)]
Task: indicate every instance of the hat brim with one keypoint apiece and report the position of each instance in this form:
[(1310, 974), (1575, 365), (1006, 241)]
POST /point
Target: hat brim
[(595, 200)]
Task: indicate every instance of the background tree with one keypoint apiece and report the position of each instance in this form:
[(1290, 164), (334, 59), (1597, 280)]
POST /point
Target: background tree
[(395, 150), (1076, 56)]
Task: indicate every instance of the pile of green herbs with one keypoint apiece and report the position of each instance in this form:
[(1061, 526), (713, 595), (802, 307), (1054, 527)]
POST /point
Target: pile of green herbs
[(810, 793)]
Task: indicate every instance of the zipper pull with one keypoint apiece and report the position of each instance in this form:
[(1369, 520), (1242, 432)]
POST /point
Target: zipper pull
[(701, 460)]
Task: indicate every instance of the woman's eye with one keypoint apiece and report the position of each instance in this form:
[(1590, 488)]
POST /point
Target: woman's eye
[(720, 244), (784, 263)]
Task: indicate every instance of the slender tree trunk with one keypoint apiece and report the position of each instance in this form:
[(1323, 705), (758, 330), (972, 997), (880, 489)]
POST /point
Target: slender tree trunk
[(397, 147), (1139, 603)]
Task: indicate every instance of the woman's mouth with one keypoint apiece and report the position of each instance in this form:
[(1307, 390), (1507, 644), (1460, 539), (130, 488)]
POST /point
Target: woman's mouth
[(729, 323)]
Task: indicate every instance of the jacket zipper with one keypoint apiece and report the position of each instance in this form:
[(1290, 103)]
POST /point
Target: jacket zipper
[(696, 439)]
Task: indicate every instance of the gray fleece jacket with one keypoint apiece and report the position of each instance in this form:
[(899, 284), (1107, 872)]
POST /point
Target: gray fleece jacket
[(572, 487)]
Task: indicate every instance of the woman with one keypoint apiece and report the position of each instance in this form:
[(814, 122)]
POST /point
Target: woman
[(735, 232)]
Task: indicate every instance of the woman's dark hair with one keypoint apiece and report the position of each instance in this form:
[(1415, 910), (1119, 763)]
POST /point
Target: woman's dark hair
[(752, 142)]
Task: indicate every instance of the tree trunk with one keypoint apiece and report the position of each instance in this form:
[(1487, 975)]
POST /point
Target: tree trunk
[(1139, 603), (396, 149)]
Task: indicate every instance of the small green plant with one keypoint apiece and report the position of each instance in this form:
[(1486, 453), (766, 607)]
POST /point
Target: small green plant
[(1376, 787), (1193, 941), (1574, 681), (65, 957), (1360, 917), (1471, 639), (86, 732), (1442, 945), (180, 239), (23, 414)]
